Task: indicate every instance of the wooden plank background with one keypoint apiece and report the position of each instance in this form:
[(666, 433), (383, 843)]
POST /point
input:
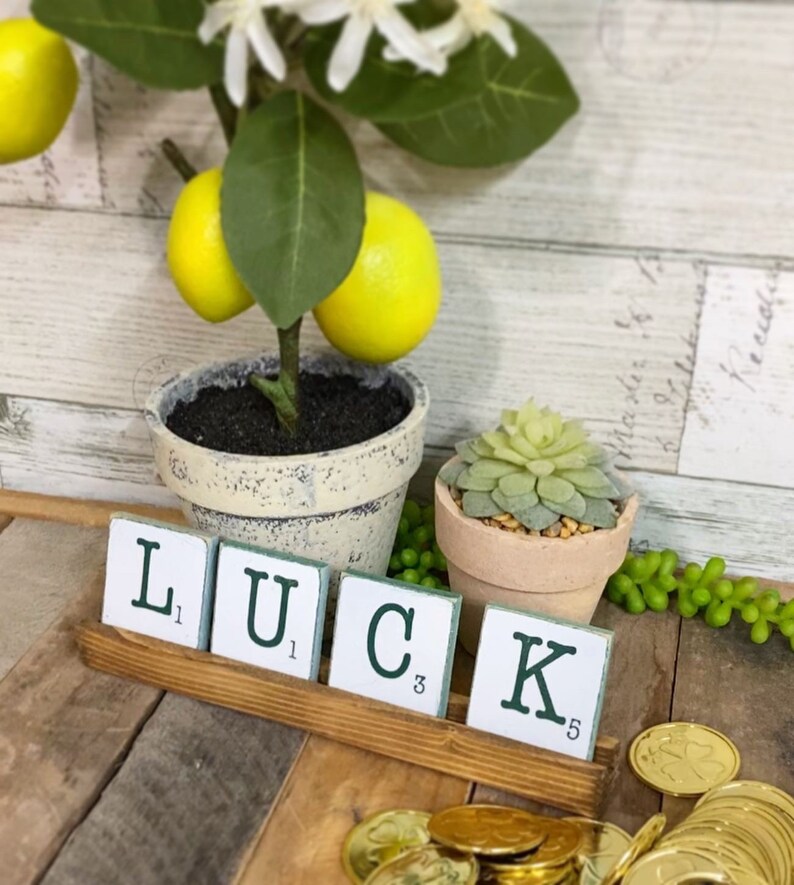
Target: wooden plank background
[(638, 271)]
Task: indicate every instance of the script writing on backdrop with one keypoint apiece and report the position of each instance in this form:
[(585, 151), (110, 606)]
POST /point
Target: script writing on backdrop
[(538, 681)]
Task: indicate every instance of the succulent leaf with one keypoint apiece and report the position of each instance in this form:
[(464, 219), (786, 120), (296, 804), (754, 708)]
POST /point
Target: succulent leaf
[(521, 483), (489, 469), (541, 467), (467, 482), (600, 512), (450, 472), (527, 510), (575, 506), (466, 451), (538, 467), (556, 489), (480, 505)]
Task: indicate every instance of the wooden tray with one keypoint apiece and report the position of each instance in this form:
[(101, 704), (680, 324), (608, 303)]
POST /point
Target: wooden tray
[(445, 745)]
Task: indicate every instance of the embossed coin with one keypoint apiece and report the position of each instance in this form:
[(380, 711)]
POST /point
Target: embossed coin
[(380, 838), (752, 790), (644, 839), (559, 846), (667, 864), (490, 830), (429, 865), (602, 844), (551, 876), (683, 758)]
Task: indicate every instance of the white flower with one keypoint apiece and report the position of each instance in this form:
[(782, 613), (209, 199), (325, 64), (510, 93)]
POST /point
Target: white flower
[(247, 24), (364, 16), (474, 18)]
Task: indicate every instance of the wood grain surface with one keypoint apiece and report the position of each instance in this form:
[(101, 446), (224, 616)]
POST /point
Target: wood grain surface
[(331, 788), (76, 511), (186, 803), (742, 690), (63, 731), (42, 568), (438, 744)]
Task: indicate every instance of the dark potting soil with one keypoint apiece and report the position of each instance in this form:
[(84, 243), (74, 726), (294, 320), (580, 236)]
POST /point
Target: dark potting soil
[(336, 411)]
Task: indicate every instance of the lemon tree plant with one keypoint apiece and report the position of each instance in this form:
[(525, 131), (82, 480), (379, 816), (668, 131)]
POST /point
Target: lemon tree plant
[(455, 82)]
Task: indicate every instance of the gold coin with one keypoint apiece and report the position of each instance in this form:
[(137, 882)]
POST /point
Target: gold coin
[(429, 864), (644, 839), (771, 818), (560, 845), (665, 864), (744, 831), (708, 848), (490, 830), (683, 758), (380, 838), (771, 848), (752, 790), (701, 879), (551, 876), (602, 844)]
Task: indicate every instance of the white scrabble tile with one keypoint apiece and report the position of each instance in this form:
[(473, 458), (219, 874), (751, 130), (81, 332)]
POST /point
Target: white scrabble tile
[(540, 681), (394, 642), (269, 609), (159, 580)]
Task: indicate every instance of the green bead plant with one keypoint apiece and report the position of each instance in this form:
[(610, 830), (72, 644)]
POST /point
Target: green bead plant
[(652, 581), (538, 468)]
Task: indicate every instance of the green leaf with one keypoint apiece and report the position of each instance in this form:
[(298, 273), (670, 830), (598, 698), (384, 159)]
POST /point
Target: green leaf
[(392, 92), (466, 451), (552, 488), (292, 205), (525, 102), (479, 505), (450, 472), (624, 488), (600, 513), (534, 516), (488, 469), (153, 41), (466, 481), (541, 467), (592, 481), (521, 483), (574, 507)]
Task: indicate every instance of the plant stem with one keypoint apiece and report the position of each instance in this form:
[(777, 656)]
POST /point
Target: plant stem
[(177, 159), (226, 111), (283, 392)]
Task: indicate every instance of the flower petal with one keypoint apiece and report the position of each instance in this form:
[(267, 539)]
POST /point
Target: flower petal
[(499, 28), (409, 43), (266, 48), (235, 72), (322, 12), (349, 52), (449, 37), (216, 17)]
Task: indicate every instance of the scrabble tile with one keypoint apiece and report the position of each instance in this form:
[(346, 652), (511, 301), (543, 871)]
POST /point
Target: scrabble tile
[(269, 609), (159, 580), (394, 642), (540, 681)]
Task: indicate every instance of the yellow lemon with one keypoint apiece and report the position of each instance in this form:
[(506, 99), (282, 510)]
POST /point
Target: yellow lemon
[(38, 85), (197, 254), (388, 302)]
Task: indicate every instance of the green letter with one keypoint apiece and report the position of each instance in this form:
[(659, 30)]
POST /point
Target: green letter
[(524, 673), (286, 585), (143, 602), (408, 617)]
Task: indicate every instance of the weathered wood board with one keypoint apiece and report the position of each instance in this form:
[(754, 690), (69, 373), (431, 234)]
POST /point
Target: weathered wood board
[(636, 271)]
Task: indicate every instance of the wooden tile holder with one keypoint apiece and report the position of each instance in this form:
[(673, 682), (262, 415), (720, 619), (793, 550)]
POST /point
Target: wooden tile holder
[(445, 745)]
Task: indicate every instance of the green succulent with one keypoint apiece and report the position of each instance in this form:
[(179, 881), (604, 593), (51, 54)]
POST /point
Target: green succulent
[(537, 468)]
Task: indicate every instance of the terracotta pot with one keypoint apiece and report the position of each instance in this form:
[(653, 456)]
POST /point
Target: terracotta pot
[(563, 578), (341, 506)]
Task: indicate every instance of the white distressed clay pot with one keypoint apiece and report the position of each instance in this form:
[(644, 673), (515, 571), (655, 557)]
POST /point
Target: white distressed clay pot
[(563, 578), (341, 506)]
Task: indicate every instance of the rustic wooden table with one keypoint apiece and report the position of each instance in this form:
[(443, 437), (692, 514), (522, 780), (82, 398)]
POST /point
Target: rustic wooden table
[(105, 781)]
